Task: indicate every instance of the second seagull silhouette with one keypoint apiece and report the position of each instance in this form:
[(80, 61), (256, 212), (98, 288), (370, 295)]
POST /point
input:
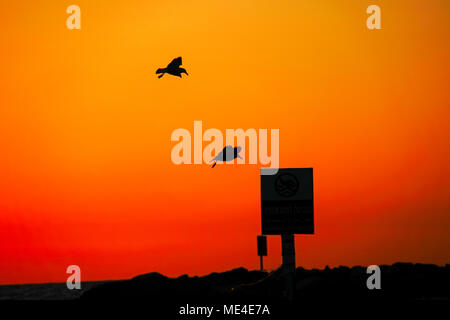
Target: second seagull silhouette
[(227, 154), (172, 68)]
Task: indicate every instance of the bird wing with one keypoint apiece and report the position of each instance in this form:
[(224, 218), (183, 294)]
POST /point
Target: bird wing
[(176, 63), (218, 157), (223, 155)]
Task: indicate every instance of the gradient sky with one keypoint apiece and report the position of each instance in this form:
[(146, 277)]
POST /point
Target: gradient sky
[(85, 171)]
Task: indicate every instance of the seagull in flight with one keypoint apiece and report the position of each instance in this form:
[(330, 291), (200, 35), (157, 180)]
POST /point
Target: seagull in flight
[(172, 68), (227, 154)]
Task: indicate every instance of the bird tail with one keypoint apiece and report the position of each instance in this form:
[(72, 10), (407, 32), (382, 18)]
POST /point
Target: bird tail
[(214, 165)]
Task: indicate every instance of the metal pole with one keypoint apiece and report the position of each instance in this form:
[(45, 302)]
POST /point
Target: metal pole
[(288, 253), (261, 262)]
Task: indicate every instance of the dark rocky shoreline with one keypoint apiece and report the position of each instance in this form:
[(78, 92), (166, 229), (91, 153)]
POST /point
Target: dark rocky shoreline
[(400, 281)]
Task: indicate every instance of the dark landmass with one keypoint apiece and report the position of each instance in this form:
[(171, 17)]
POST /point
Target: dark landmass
[(44, 291), (401, 281), (155, 294)]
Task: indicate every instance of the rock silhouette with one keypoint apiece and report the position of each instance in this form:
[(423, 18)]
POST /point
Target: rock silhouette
[(172, 68), (155, 293), (400, 282)]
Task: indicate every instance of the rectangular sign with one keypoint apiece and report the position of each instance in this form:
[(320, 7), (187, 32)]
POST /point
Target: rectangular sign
[(287, 203), (262, 245)]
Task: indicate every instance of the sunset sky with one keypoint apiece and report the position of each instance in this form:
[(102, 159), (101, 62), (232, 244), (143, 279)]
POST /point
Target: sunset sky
[(86, 176)]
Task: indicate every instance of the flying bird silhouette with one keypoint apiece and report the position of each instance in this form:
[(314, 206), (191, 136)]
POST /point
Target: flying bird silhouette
[(172, 68), (227, 154)]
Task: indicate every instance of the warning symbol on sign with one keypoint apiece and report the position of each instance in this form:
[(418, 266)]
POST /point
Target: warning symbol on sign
[(286, 185)]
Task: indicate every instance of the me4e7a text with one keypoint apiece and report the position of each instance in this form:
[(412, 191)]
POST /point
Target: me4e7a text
[(250, 309)]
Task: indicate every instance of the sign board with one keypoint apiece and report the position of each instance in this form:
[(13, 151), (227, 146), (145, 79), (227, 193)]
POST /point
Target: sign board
[(287, 203), (262, 245)]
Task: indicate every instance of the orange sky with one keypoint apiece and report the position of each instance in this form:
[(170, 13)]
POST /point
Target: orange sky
[(85, 125)]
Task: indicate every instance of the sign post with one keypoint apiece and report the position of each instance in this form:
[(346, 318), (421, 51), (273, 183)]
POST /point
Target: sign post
[(288, 255), (287, 208), (262, 249)]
